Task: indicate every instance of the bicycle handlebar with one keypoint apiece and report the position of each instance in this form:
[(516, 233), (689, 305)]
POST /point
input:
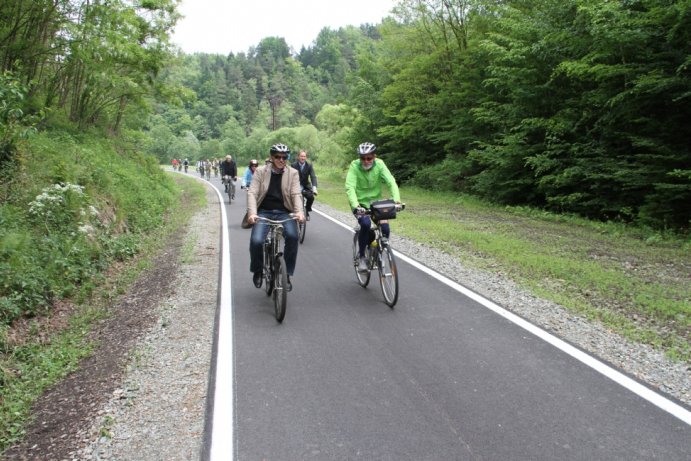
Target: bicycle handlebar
[(272, 221), (361, 211)]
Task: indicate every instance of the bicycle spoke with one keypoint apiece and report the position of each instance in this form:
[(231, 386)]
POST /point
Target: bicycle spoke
[(362, 277), (280, 290)]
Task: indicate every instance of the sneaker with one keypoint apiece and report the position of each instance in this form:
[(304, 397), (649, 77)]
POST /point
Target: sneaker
[(289, 286), (362, 266), (257, 279), (307, 216)]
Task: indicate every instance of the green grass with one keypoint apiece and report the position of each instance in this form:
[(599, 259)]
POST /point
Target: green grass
[(635, 281)]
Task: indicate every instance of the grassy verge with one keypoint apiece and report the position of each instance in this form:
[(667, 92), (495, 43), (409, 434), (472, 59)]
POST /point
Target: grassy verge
[(140, 210), (634, 281)]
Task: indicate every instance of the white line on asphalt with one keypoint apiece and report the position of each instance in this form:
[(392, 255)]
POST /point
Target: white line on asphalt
[(222, 437), (616, 376)]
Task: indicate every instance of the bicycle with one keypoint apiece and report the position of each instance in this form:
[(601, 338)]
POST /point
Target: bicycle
[(274, 272), (378, 253), (230, 188), (302, 226)]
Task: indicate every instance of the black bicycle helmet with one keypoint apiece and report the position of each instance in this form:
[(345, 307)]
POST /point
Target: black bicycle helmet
[(279, 149), (254, 162), (366, 148)]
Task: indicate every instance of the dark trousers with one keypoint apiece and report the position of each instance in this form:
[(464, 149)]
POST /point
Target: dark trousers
[(309, 195), (366, 235)]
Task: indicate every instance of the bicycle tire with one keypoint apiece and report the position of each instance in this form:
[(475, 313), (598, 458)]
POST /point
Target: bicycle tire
[(230, 193), (388, 276), (302, 230), (268, 270), (280, 288), (362, 277)]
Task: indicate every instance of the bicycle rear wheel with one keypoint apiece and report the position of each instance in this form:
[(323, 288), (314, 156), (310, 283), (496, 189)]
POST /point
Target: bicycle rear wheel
[(280, 288), (388, 276), (302, 230), (362, 277)]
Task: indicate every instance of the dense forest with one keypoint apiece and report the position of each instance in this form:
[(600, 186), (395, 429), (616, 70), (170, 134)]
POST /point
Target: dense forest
[(578, 106)]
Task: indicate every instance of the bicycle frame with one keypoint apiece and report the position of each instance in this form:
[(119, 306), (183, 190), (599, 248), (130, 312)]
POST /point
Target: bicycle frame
[(274, 272)]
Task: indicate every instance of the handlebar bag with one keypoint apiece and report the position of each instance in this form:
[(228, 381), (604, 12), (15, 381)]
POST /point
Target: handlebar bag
[(383, 209)]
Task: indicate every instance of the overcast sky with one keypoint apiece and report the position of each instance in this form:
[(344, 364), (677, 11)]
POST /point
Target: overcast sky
[(224, 26)]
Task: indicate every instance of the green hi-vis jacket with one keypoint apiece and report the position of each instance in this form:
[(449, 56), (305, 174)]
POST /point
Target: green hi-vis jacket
[(364, 186)]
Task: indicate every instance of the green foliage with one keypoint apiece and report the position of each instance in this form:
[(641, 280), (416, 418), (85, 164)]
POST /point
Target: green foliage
[(63, 224), (95, 61), (94, 201), (578, 107), (15, 123)]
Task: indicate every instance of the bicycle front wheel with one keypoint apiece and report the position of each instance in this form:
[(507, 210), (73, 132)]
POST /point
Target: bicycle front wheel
[(230, 193), (362, 277), (280, 288), (268, 270), (388, 276), (302, 230)]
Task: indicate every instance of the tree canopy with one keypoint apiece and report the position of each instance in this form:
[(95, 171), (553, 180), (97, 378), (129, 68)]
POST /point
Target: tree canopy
[(575, 106)]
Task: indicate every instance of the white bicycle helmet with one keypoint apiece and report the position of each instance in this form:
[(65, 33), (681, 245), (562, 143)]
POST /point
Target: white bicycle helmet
[(366, 148), (279, 149)]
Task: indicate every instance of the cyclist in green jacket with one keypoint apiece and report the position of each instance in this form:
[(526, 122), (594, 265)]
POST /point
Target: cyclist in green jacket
[(363, 186)]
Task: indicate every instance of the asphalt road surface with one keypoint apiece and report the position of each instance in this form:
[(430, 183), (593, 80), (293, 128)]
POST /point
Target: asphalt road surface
[(440, 377)]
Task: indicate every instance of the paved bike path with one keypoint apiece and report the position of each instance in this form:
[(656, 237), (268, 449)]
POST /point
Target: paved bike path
[(438, 377)]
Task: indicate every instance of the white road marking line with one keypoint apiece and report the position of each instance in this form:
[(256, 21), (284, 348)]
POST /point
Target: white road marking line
[(222, 436), (606, 370)]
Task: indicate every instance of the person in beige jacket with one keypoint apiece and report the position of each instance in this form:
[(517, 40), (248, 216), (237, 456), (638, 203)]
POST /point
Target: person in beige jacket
[(274, 193)]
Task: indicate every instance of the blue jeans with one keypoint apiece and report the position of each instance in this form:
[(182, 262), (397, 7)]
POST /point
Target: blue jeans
[(259, 231)]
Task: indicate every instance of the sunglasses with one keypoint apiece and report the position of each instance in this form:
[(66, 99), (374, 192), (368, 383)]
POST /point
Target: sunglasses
[(280, 157), (367, 158)]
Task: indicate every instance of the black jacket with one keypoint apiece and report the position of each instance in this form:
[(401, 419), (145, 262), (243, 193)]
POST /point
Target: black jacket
[(229, 169), (307, 175)]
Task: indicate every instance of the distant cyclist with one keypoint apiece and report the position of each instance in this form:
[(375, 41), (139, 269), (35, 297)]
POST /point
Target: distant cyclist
[(363, 186), (308, 180), (249, 173), (229, 171)]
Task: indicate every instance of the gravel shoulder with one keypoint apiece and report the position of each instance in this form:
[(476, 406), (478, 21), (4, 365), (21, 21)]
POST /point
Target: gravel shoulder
[(145, 397)]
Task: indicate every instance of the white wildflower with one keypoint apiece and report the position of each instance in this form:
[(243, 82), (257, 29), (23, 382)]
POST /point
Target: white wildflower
[(86, 229)]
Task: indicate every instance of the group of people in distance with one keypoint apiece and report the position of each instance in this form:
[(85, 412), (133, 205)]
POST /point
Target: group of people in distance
[(275, 191), (178, 164)]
